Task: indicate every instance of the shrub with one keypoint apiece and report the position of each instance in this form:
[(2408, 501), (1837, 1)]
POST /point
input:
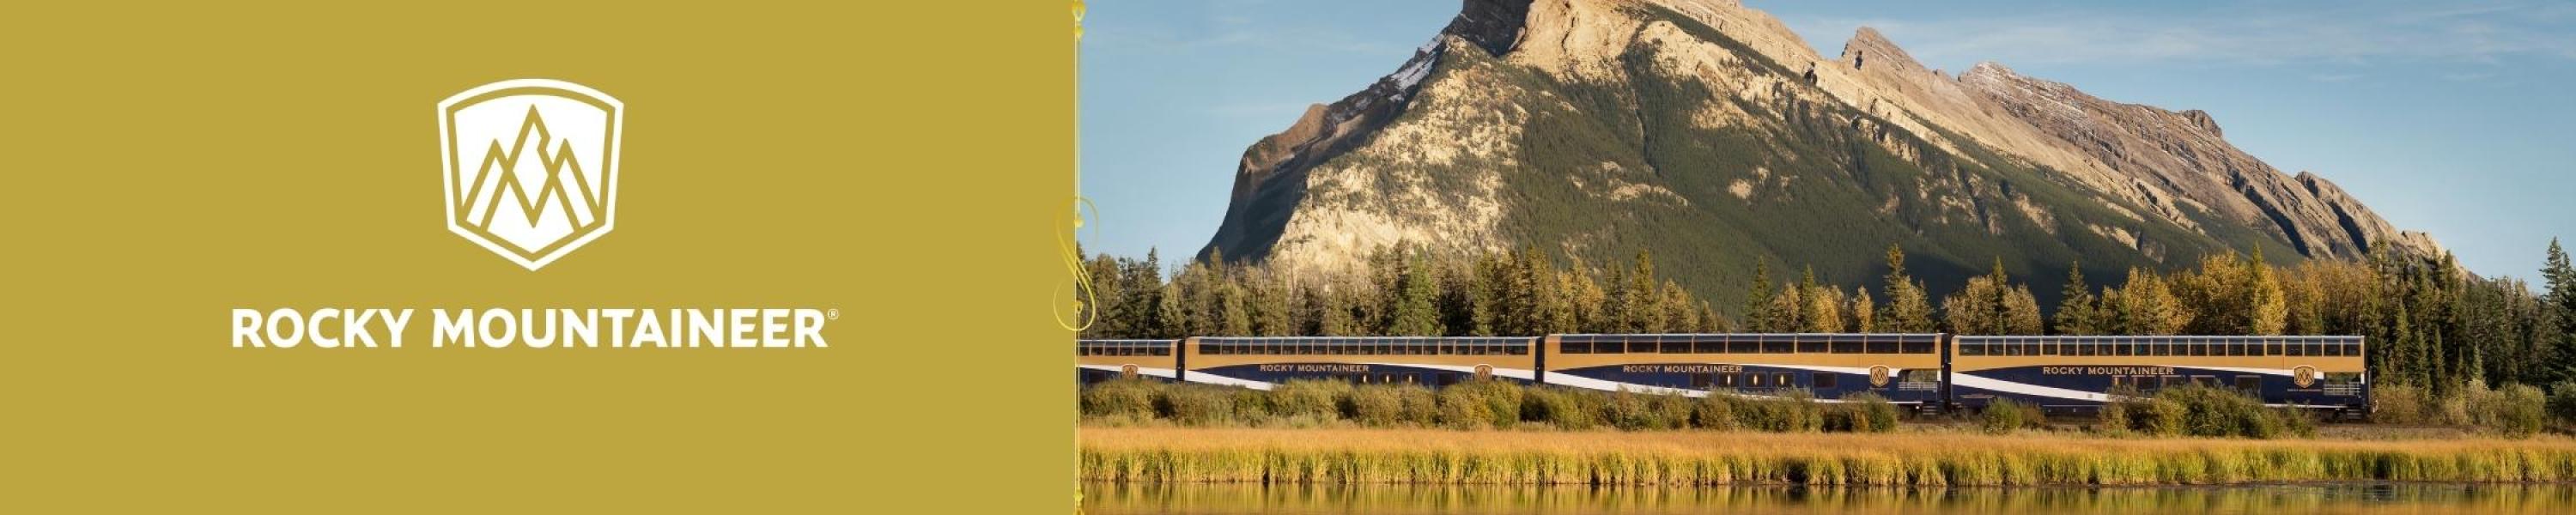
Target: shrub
[(1480, 403), (1876, 410), (2115, 411), (2562, 401), (2158, 417), (2217, 412), (1252, 406), (2516, 410), (1565, 408), (1672, 410), (1318, 399), (2397, 404), (1197, 405), (1789, 411), (1862, 413), (1717, 411), (2298, 422), (1384, 405), (2001, 416), (1120, 398), (1640, 411)]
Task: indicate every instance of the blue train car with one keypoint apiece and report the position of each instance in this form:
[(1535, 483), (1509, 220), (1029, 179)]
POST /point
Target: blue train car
[(2080, 372), (1095, 361), (1264, 362), (1904, 368)]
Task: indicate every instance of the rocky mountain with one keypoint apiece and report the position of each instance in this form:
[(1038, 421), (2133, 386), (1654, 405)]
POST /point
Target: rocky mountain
[(1710, 134)]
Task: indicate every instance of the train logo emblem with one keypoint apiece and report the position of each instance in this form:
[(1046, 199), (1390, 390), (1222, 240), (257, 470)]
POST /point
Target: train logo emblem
[(2304, 376), (1878, 376), (530, 166), (1128, 371), (1484, 371)]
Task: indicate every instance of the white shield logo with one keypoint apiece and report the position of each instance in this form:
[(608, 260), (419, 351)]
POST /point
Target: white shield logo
[(531, 166)]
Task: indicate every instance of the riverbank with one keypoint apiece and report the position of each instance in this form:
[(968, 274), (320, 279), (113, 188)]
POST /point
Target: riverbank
[(1696, 458)]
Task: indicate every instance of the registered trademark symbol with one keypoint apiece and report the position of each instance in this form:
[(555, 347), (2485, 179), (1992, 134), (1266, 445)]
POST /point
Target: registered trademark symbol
[(833, 314)]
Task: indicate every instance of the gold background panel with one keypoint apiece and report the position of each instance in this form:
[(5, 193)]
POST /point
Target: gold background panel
[(901, 162)]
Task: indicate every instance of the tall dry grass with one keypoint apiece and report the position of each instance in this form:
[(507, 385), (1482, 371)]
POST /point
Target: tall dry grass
[(1432, 456)]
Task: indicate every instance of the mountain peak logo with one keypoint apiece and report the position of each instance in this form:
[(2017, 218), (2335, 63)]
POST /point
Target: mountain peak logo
[(530, 166)]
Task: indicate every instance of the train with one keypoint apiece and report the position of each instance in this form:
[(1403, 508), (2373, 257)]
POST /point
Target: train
[(1928, 372)]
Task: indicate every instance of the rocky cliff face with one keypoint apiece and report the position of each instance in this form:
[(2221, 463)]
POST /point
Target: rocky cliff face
[(1710, 134)]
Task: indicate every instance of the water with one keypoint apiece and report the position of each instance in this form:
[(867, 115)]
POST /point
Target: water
[(2364, 498)]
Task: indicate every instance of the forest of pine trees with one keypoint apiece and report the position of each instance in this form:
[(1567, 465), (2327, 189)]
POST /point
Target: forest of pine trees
[(2429, 324)]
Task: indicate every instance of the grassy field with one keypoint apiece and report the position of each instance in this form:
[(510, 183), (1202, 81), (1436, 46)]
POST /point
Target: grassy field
[(1684, 458)]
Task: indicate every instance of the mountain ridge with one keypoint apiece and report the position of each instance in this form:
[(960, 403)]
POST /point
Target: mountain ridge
[(1709, 133)]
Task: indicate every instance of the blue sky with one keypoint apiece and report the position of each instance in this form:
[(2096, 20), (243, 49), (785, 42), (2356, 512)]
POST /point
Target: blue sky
[(2449, 117)]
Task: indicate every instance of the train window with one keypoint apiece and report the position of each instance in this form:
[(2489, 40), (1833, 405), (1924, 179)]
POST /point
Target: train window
[(1574, 347), (2295, 349), (1826, 380), (1642, 346), (1705, 345), (1971, 349), (1516, 350), (1677, 345), (1783, 380), (1779, 344), (1753, 380), (1700, 381), (1725, 380), (2316, 348), (1845, 345), (1610, 347), (1882, 345), (1815, 345), (2249, 383), (2200, 348), (1917, 346), (2119, 381), (2048, 348), (1743, 344)]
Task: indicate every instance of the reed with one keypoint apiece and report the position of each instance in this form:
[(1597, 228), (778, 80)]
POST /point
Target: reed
[(1694, 458)]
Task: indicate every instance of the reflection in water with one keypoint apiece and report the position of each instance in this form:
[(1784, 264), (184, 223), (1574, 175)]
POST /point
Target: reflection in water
[(2410, 498)]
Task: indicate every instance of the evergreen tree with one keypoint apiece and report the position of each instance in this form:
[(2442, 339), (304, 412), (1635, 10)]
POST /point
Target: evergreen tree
[(1757, 300), (1273, 313), (1680, 314), (1644, 302), (1909, 309), (1783, 316), (1146, 299), (2269, 309), (1710, 322), (1991, 304), (1234, 315), (2148, 306), (1415, 311), (2560, 301), (1824, 305), (1864, 312), (1168, 309), (2075, 305)]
